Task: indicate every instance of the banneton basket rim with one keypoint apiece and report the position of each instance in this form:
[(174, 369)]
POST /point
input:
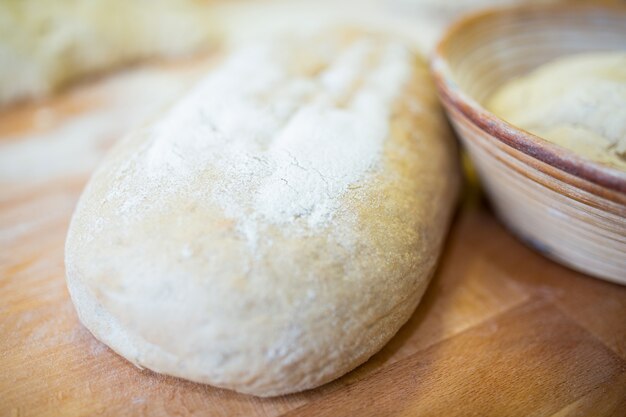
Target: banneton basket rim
[(609, 180)]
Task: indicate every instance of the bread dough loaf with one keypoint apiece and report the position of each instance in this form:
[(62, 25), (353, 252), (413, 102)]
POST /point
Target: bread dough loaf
[(277, 226), (46, 44), (578, 102)]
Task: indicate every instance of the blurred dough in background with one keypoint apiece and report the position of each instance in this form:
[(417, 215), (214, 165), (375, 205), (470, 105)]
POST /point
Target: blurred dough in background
[(45, 44)]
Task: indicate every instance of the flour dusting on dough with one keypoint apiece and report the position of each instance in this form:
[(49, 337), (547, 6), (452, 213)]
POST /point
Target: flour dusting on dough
[(293, 136)]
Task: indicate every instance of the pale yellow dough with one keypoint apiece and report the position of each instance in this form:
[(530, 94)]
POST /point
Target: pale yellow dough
[(577, 102), (46, 44)]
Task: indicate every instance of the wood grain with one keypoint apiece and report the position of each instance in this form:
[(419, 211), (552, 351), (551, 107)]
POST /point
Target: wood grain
[(501, 331)]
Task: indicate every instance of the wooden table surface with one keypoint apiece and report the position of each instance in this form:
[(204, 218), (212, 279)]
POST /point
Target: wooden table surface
[(501, 331)]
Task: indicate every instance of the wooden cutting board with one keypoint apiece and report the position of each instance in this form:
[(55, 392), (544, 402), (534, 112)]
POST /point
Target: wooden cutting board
[(501, 330)]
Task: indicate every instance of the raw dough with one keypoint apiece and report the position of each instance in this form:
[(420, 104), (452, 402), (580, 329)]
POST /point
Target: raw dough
[(277, 226), (578, 102), (46, 44)]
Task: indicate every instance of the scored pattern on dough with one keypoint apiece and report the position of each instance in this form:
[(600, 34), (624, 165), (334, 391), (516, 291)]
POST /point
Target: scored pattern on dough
[(294, 133)]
